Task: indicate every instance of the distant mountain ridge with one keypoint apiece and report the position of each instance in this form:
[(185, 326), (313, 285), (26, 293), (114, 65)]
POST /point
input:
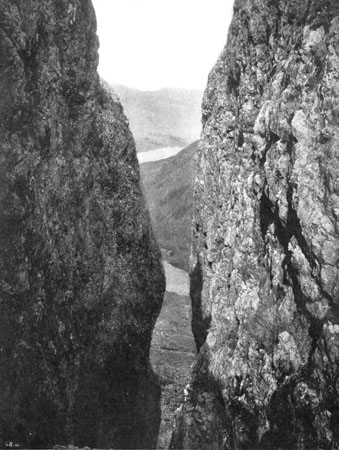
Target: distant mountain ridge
[(169, 117)]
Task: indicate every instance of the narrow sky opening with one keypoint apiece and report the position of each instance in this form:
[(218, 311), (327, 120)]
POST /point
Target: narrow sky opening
[(151, 44)]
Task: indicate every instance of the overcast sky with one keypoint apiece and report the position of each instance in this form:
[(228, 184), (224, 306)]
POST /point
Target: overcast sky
[(150, 44)]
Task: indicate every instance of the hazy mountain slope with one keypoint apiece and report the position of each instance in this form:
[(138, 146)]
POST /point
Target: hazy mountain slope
[(165, 118), (168, 188)]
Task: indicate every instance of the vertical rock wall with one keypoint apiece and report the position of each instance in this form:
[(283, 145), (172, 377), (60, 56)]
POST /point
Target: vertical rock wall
[(81, 283), (265, 279)]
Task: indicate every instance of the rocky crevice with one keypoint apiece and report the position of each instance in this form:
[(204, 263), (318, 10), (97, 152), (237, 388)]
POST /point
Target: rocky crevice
[(200, 324)]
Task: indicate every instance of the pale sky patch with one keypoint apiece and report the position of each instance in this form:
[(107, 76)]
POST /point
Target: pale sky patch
[(150, 44)]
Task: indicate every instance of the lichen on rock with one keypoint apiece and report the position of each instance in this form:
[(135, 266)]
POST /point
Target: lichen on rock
[(265, 240), (81, 282)]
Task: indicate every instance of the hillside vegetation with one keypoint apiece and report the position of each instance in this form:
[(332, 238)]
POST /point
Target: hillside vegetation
[(168, 188)]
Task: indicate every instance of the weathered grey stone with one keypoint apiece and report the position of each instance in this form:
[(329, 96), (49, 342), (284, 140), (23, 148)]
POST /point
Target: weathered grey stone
[(265, 254)]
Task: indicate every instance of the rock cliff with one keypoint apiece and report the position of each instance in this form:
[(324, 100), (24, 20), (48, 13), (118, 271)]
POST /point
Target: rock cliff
[(80, 280), (264, 277)]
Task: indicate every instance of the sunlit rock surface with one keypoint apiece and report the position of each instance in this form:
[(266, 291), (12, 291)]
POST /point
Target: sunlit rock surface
[(264, 277), (80, 280)]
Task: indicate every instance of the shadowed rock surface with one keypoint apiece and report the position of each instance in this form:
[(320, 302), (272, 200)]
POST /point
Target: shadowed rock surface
[(264, 279), (81, 283)]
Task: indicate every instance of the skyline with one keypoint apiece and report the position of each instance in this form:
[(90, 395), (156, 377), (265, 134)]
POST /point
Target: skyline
[(152, 44)]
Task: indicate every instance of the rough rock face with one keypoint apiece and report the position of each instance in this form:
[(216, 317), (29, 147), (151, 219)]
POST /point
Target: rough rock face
[(80, 280), (265, 279)]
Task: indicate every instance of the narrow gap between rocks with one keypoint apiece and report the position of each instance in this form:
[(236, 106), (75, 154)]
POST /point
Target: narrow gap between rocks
[(173, 347)]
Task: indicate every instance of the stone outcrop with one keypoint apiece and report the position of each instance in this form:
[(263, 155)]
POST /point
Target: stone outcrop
[(80, 280), (264, 278)]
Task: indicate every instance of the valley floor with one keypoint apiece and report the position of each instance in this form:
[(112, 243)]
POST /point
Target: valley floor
[(173, 347)]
